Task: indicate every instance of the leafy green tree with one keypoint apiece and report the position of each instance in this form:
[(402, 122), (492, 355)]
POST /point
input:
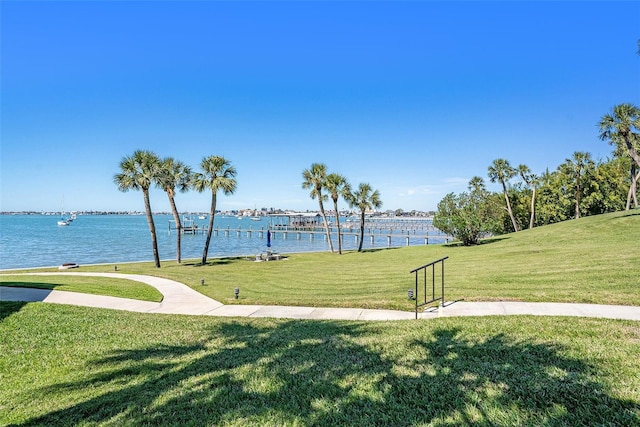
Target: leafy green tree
[(605, 190), (578, 169), (174, 175), (553, 203), (138, 172), (315, 178), (620, 128), (501, 171), (468, 216), (364, 198), (337, 185), (217, 175)]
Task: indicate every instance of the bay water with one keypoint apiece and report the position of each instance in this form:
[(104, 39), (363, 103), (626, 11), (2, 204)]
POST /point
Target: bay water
[(37, 241)]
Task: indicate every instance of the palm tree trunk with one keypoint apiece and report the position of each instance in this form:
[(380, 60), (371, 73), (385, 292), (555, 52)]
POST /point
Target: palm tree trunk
[(632, 152), (152, 227), (210, 229), (176, 218), (578, 200), (506, 198), (632, 188), (533, 207), (335, 206), (635, 187), (326, 224), (361, 231)]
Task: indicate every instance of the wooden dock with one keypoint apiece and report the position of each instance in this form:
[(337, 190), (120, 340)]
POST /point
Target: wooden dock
[(298, 233)]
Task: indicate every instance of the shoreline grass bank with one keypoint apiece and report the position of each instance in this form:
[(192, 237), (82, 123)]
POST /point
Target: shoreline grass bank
[(590, 260)]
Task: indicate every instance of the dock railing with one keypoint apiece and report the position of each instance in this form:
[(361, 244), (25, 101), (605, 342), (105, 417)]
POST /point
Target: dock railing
[(423, 295)]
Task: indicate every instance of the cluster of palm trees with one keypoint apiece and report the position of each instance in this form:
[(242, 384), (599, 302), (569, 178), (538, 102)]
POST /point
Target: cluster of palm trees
[(144, 168), (579, 186), (620, 128), (335, 185)]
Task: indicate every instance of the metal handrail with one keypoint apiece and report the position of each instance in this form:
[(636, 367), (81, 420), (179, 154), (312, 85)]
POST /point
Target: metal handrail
[(433, 284)]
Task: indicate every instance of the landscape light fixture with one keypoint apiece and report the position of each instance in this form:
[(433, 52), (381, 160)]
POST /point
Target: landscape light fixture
[(202, 282), (236, 292), (410, 293), (115, 268)]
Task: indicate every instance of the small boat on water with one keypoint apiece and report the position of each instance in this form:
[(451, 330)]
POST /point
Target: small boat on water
[(65, 220), (255, 218)]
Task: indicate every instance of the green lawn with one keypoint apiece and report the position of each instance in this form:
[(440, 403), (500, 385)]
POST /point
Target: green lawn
[(63, 365), (88, 285), (590, 260)]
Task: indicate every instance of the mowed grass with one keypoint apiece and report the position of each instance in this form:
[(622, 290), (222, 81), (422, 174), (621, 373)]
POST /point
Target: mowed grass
[(64, 365), (89, 285), (590, 260)]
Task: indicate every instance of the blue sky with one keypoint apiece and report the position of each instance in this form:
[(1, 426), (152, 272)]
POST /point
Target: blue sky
[(413, 97)]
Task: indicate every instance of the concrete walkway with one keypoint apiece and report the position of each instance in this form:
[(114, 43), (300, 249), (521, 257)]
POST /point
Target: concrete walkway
[(181, 299)]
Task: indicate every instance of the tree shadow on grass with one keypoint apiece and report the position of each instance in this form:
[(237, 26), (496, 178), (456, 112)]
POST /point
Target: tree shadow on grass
[(338, 373), (214, 261), (481, 242), (635, 212), (7, 308), (35, 285)]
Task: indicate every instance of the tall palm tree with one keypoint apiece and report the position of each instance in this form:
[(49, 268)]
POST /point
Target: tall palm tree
[(337, 185), (218, 174), (174, 175), (621, 128), (531, 180), (576, 168), (364, 199), (138, 172), (502, 172), (315, 179)]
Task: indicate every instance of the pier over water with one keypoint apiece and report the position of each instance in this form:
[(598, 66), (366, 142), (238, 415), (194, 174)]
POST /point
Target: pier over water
[(309, 226)]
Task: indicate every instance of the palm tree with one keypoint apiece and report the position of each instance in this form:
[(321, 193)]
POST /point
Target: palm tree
[(138, 172), (364, 199), (531, 180), (174, 174), (576, 168), (476, 185), (618, 127), (502, 171), (337, 185), (218, 174), (315, 179)]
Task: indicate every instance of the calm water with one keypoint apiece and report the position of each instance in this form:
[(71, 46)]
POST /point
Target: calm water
[(37, 240)]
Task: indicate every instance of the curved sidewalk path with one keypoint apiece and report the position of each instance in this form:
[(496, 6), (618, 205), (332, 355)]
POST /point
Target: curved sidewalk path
[(181, 299)]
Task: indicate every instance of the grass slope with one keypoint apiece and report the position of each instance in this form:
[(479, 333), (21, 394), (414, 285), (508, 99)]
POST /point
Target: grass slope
[(89, 285), (590, 260), (63, 365)]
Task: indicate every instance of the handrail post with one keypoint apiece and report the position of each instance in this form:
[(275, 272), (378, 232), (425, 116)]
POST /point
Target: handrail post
[(433, 284), (442, 302), (416, 295)]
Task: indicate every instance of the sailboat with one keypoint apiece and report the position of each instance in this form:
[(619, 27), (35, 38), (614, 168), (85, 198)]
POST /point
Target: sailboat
[(65, 220)]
